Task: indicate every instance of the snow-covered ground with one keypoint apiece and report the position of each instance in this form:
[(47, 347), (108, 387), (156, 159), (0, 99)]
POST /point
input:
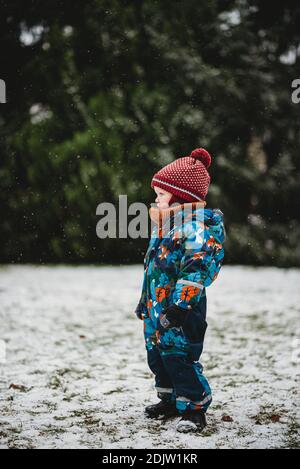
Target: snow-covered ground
[(75, 374)]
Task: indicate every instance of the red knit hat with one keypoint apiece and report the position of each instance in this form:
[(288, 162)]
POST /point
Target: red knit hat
[(186, 178)]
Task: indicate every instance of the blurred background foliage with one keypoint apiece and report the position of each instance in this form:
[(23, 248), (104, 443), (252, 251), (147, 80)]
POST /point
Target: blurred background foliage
[(101, 94)]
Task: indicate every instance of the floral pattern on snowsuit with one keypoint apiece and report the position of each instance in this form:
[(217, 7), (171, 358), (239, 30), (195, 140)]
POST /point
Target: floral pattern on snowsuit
[(178, 266)]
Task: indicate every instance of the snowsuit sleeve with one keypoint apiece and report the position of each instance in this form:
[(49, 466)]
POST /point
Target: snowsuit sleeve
[(141, 309), (200, 264)]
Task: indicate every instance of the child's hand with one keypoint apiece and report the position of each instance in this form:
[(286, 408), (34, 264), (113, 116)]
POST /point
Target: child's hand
[(174, 316), (139, 311)]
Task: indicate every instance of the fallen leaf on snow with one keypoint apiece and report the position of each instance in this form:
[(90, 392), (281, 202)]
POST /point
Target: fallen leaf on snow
[(227, 418)]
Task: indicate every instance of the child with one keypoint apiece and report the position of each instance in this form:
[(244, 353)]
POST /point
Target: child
[(183, 258)]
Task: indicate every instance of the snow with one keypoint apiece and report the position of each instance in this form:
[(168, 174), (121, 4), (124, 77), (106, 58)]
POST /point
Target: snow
[(74, 352)]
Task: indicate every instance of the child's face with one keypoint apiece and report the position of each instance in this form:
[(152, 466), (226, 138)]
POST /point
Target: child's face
[(163, 197)]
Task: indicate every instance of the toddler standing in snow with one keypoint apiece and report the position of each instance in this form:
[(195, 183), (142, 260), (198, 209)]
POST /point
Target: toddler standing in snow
[(184, 257)]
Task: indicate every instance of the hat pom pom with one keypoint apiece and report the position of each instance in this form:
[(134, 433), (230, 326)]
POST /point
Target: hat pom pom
[(202, 155)]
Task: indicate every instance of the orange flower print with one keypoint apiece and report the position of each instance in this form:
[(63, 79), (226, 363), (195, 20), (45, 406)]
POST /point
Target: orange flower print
[(211, 241), (164, 253), (162, 293), (188, 293), (199, 255)]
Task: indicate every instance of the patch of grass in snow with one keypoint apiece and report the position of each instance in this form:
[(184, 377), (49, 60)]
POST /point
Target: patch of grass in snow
[(38, 372), (54, 382), (232, 384), (50, 430), (60, 418), (10, 434), (20, 444), (219, 333), (60, 377), (87, 418), (69, 397), (293, 435), (52, 406), (79, 413), (210, 430), (73, 371), (109, 429), (218, 406), (268, 415), (254, 316), (211, 365), (117, 390), (145, 374), (6, 409), (91, 421)]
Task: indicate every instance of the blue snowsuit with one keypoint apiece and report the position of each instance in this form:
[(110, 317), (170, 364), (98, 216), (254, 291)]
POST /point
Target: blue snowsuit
[(181, 261)]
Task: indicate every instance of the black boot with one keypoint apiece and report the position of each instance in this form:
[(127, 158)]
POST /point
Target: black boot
[(191, 421), (161, 409)]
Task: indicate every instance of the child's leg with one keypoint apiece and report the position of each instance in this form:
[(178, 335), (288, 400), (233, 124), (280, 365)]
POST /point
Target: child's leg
[(180, 352), (191, 386), (180, 358), (163, 383)]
